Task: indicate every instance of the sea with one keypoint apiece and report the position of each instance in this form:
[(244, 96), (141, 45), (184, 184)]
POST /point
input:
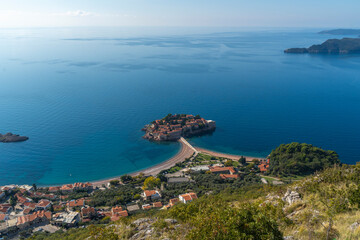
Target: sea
[(82, 95)]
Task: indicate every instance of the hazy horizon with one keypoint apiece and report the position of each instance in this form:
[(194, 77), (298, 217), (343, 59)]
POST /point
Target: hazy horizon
[(142, 13)]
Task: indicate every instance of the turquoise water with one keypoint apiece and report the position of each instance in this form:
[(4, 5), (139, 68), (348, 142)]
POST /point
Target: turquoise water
[(82, 96)]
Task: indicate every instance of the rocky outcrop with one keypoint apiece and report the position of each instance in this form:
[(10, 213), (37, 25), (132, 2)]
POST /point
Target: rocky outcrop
[(291, 197), (9, 137), (354, 226), (331, 46), (145, 229)]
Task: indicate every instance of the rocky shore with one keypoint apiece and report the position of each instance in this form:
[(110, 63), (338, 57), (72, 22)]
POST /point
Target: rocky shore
[(9, 137)]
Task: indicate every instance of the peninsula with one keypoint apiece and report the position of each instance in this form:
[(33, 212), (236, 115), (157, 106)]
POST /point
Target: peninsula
[(341, 31), (331, 46), (9, 137), (173, 127)]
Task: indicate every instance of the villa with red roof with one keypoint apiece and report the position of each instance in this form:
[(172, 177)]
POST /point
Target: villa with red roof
[(187, 197), (151, 195), (223, 170)]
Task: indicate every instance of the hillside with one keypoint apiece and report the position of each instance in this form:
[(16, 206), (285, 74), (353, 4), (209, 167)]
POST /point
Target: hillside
[(300, 159), (331, 46), (322, 206)]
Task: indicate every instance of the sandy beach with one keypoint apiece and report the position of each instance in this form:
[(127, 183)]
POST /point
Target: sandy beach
[(184, 152), (225, 155)]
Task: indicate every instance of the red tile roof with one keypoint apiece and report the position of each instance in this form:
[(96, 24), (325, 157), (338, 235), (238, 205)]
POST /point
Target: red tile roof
[(88, 210), (54, 189), (43, 203), (226, 176), (2, 217), (189, 196), (263, 167), (173, 201), (149, 193), (157, 204), (76, 203), (222, 169), (116, 209), (119, 215)]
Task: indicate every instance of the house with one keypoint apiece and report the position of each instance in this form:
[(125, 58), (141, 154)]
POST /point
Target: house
[(173, 201), (22, 199), (146, 207), (37, 217), (88, 213), (4, 217), (76, 203), (27, 187), (187, 197), (54, 189), (28, 211), (5, 208), (8, 188), (82, 186), (43, 204), (2, 194), (222, 170), (157, 205), (116, 209), (263, 167), (69, 219), (68, 188), (119, 214), (229, 176), (151, 195)]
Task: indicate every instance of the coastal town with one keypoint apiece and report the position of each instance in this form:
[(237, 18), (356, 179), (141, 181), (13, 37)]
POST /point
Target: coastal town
[(173, 127), (25, 209)]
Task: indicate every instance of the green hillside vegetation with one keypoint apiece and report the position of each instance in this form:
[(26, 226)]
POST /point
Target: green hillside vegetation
[(300, 159), (327, 208)]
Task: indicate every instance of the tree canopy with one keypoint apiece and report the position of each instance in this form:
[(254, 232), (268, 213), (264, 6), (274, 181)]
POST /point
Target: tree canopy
[(300, 159)]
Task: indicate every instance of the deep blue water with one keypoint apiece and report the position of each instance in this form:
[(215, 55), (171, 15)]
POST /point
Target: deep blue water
[(82, 96)]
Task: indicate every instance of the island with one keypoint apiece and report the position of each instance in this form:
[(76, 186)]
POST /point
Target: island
[(9, 137), (173, 127), (341, 31), (331, 46)]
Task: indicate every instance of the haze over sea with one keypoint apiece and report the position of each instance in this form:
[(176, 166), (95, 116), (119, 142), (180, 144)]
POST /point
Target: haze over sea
[(83, 94)]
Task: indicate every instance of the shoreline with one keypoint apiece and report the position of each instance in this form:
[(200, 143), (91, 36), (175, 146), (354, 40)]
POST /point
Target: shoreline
[(226, 155), (184, 152)]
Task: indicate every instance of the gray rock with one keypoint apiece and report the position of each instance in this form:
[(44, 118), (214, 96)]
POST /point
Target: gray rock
[(9, 137), (354, 226), (172, 221), (141, 221), (289, 238), (291, 197)]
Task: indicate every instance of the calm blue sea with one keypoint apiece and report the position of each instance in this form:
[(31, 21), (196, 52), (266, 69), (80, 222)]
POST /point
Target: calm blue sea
[(83, 94)]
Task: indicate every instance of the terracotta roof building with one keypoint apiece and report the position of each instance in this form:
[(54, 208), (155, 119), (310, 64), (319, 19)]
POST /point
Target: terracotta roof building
[(187, 197)]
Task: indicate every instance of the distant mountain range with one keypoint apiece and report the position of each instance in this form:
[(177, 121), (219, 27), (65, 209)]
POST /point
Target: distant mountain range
[(331, 46), (341, 31)]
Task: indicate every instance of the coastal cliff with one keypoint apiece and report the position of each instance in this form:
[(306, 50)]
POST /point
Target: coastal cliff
[(173, 127), (9, 137), (331, 46)]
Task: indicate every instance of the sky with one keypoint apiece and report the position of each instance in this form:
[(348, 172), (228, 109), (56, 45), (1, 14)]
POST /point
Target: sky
[(212, 13)]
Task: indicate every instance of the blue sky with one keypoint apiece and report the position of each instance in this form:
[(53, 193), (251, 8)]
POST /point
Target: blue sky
[(230, 13)]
